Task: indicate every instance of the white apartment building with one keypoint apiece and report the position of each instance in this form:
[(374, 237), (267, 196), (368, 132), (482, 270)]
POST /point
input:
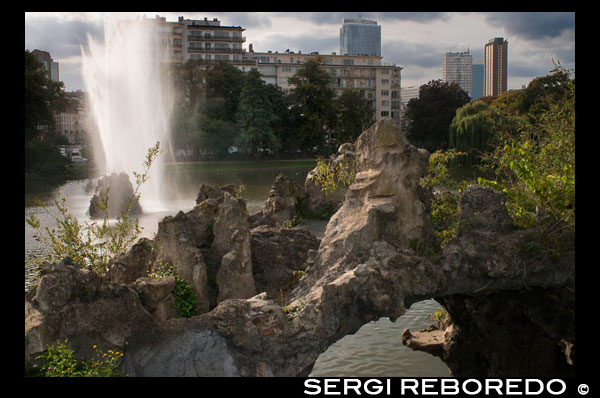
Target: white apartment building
[(457, 68), (71, 121), (406, 94), (377, 81), (203, 39)]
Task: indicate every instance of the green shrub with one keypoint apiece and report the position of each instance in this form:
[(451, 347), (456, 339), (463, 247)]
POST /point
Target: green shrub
[(186, 300), (59, 362)]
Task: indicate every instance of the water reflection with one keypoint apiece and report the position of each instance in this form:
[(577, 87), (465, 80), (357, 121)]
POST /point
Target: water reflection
[(376, 350)]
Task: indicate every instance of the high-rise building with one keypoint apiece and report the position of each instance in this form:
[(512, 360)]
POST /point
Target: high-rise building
[(457, 68), (377, 82), (496, 66), (51, 67), (478, 77), (360, 37)]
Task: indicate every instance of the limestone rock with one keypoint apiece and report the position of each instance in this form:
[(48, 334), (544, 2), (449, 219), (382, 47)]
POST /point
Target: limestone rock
[(232, 243), (276, 254), (120, 191), (178, 243), (84, 308), (135, 263), (155, 295), (282, 205)]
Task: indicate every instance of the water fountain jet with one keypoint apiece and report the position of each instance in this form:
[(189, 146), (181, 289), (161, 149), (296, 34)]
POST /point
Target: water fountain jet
[(129, 100)]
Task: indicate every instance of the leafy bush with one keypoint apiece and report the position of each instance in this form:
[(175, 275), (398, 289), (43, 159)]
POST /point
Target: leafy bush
[(186, 300), (59, 362)]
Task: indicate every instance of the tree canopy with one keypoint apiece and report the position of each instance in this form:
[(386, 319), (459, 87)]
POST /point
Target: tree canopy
[(428, 117)]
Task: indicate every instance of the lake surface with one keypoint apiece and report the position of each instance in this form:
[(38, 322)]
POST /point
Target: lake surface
[(375, 350)]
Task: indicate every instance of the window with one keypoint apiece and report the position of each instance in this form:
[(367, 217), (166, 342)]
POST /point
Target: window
[(348, 62), (385, 71), (263, 60), (385, 81), (385, 113), (385, 92), (385, 103)]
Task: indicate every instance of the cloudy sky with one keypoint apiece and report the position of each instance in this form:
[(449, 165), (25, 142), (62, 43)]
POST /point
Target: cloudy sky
[(416, 41)]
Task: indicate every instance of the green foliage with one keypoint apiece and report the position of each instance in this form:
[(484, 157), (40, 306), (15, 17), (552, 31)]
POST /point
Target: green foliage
[(471, 130), (293, 311), (535, 164), (256, 116), (313, 96), (444, 206), (428, 117), (330, 178), (440, 317), (59, 361), (186, 300), (92, 245), (354, 116)]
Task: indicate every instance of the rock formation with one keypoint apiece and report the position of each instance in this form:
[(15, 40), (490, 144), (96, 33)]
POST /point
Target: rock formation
[(119, 191), (283, 203), (366, 267)]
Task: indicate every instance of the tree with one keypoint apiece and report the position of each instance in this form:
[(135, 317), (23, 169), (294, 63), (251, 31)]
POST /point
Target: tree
[(312, 95), (223, 86), (471, 130), (354, 115), (256, 116), (535, 163), (428, 117), (43, 96)]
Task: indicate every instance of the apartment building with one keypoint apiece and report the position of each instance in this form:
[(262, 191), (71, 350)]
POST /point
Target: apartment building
[(406, 94), (457, 68), (377, 81), (189, 39), (71, 121), (496, 66)]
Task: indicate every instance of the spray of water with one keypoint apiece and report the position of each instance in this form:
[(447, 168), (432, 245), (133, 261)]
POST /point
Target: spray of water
[(129, 100)]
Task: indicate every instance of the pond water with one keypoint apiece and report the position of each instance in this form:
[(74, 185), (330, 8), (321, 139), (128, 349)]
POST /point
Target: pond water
[(375, 350)]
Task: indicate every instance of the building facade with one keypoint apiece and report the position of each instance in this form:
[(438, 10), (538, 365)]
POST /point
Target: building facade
[(496, 66), (189, 39), (51, 67), (478, 77), (457, 68), (71, 121), (378, 82), (406, 94), (360, 37)]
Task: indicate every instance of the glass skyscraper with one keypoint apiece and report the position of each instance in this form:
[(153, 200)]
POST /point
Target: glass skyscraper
[(360, 37), (478, 77)]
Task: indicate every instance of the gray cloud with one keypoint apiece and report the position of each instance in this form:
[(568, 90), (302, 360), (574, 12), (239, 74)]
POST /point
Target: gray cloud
[(326, 18), (423, 54), (61, 38), (532, 25), (305, 43)]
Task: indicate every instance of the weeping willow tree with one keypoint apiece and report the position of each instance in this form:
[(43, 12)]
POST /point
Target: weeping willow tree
[(471, 130)]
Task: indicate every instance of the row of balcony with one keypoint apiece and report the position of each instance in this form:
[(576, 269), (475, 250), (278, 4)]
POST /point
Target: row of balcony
[(238, 39), (214, 50)]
